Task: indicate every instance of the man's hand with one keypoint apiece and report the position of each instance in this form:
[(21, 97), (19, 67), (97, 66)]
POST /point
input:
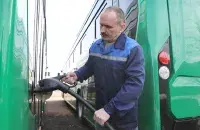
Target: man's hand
[(70, 78), (101, 116)]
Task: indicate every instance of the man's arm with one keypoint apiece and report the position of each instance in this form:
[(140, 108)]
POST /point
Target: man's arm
[(133, 86), (85, 71)]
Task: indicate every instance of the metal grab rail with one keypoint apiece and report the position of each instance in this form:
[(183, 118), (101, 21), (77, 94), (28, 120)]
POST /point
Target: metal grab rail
[(51, 84)]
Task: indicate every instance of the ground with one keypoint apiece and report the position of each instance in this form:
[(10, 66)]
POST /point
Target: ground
[(58, 116)]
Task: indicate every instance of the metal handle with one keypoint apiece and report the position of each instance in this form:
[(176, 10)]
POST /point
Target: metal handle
[(51, 84), (89, 106)]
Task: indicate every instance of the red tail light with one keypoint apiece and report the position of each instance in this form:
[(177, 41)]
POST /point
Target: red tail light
[(164, 58)]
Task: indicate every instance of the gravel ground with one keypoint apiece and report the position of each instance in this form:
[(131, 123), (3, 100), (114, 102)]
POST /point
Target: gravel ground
[(58, 116)]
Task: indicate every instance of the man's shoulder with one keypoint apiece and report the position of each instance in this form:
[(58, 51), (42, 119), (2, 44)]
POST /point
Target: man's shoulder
[(95, 43), (131, 43)]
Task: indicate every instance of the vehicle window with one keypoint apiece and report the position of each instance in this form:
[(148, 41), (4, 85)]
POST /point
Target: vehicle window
[(88, 39), (124, 4), (131, 11)]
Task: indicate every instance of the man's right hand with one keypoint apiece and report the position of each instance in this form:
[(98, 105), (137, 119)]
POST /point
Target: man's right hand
[(70, 78)]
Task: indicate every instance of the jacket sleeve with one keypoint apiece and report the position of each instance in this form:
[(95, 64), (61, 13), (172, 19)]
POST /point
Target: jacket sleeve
[(130, 91), (85, 71)]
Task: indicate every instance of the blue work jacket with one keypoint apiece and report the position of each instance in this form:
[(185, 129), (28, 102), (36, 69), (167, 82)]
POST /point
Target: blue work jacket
[(119, 77)]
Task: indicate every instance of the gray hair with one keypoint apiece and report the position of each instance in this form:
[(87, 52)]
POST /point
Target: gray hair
[(119, 12)]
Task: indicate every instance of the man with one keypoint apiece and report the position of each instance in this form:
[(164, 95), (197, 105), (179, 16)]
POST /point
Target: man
[(117, 63)]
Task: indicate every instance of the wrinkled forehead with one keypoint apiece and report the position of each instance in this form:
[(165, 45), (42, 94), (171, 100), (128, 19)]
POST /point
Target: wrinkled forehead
[(108, 17)]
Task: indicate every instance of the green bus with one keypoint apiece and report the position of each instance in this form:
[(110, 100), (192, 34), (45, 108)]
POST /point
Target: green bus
[(169, 32), (22, 64)]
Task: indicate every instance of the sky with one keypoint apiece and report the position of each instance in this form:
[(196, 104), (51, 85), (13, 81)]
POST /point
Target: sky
[(64, 20)]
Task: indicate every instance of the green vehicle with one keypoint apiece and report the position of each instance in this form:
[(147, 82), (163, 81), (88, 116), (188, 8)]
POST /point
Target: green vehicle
[(22, 64), (169, 32)]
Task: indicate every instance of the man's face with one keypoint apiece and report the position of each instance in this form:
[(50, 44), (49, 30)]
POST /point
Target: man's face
[(110, 26)]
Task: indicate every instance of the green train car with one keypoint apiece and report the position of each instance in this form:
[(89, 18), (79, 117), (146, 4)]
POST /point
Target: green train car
[(169, 32), (22, 64)]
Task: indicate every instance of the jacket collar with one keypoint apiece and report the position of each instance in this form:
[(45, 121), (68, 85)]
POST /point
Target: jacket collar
[(120, 42)]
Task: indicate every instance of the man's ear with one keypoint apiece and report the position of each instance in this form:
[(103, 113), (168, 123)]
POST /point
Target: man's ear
[(123, 26)]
